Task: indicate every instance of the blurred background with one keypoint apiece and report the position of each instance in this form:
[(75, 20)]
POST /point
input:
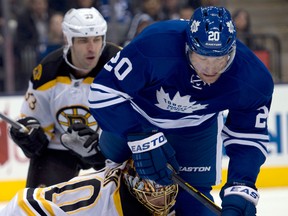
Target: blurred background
[(29, 29)]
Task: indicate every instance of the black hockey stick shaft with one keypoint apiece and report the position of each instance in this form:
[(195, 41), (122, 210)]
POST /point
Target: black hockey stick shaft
[(196, 194), (15, 124)]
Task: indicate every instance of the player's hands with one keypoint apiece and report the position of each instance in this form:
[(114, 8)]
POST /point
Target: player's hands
[(82, 141), (34, 142), (151, 156), (239, 199)]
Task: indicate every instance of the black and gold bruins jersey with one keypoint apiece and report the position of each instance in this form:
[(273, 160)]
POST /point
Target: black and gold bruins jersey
[(102, 193), (56, 99)]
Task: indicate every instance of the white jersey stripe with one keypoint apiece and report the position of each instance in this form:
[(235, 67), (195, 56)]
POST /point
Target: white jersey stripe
[(188, 121), (97, 97), (219, 149), (101, 90), (247, 143), (245, 135), (106, 103)]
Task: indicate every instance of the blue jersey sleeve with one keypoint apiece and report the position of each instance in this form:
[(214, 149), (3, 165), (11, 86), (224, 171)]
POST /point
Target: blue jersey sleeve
[(245, 137), (245, 134)]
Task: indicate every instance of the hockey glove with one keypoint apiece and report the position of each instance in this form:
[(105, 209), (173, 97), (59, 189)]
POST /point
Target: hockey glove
[(32, 143), (151, 156), (82, 141), (239, 199)]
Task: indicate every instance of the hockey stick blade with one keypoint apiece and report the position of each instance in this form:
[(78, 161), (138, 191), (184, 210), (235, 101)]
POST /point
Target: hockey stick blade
[(195, 193), (15, 124)]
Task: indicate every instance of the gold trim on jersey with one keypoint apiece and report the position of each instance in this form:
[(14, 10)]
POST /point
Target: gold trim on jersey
[(61, 79), (117, 200), (49, 130), (88, 80), (22, 203), (114, 175), (44, 202), (52, 83)]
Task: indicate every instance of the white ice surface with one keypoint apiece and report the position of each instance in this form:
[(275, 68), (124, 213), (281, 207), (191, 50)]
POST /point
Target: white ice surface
[(273, 201)]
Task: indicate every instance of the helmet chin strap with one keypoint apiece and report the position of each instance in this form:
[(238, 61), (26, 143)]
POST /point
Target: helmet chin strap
[(65, 52), (74, 67)]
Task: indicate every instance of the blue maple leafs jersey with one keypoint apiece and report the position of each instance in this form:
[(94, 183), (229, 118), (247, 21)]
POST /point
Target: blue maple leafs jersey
[(150, 85)]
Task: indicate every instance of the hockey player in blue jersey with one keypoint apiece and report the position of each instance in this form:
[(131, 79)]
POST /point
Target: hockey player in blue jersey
[(161, 99)]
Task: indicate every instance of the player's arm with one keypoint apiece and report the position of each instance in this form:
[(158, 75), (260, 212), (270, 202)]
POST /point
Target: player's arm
[(112, 106), (60, 199), (245, 137), (37, 100), (36, 116), (111, 93), (24, 204)]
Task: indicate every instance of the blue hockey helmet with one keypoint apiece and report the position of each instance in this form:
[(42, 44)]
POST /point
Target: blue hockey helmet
[(211, 32)]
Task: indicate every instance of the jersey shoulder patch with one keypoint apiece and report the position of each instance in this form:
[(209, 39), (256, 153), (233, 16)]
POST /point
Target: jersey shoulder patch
[(49, 68)]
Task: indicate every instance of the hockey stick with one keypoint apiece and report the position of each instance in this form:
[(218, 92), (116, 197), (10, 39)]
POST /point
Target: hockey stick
[(15, 124), (195, 193)]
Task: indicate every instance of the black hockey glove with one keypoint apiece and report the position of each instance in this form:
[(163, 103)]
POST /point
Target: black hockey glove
[(82, 141), (32, 143)]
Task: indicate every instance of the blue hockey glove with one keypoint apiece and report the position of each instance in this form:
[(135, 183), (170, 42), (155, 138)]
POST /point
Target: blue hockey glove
[(82, 141), (32, 143), (239, 199), (151, 156)]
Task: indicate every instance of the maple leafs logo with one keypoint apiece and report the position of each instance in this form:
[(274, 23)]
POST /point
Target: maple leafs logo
[(178, 103), (197, 83), (230, 26), (194, 26)]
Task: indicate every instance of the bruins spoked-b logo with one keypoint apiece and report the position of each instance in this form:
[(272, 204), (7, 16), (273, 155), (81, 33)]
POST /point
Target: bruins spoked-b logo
[(75, 114), (37, 72)]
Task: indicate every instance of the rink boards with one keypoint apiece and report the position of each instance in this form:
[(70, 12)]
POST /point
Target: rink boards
[(274, 173)]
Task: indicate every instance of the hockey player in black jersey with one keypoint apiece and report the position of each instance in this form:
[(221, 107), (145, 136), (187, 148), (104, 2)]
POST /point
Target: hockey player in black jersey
[(57, 97), (115, 190)]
